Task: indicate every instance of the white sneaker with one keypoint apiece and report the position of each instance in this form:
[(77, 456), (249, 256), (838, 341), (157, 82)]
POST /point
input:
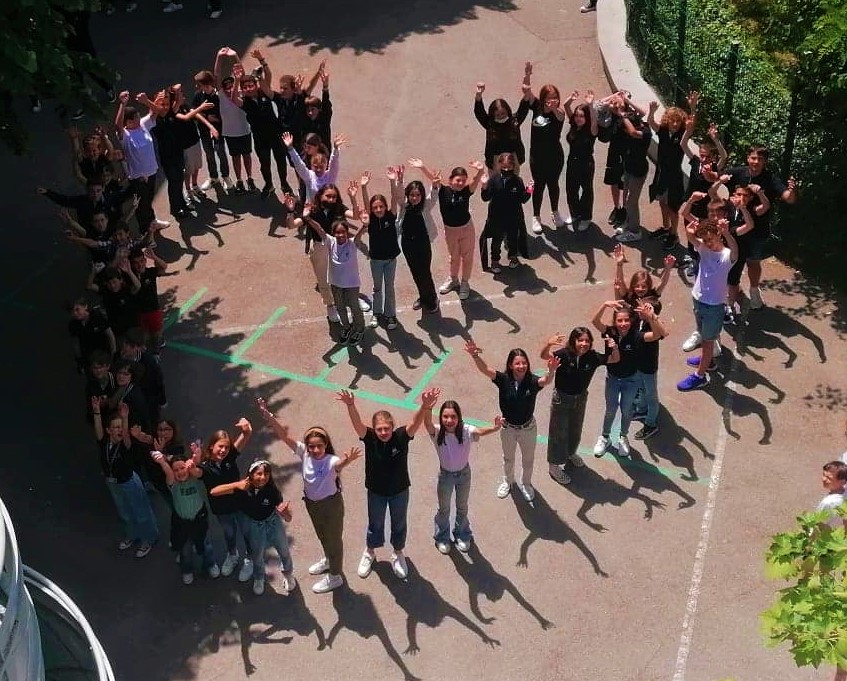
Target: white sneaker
[(246, 571), (583, 225), (398, 564), (463, 546), (528, 492), (226, 182), (366, 564), (600, 446), (756, 302), (214, 571), (332, 314), (215, 14), (207, 185), (364, 305), (167, 9), (464, 290), (327, 584), (558, 474), (576, 460), (289, 582), (448, 286), (503, 489), (229, 564), (623, 446), (559, 221), (258, 586), (692, 342), (188, 578), (443, 547), (537, 227), (320, 567)]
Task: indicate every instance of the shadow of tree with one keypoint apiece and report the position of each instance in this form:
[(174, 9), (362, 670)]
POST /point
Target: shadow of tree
[(826, 397)]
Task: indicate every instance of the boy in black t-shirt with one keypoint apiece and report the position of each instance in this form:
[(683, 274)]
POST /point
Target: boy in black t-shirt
[(150, 315), (213, 145), (90, 332)]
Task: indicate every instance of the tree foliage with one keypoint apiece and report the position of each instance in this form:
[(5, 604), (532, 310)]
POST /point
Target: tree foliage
[(35, 60), (810, 614)]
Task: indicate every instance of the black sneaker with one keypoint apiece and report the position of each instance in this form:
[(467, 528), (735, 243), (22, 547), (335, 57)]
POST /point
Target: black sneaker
[(612, 216), (669, 242), (417, 304), (660, 233), (432, 310), (344, 336), (646, 432), (355, 338), (620, 216), (251, 186), (267, 190), (239, 188), (391, 323)]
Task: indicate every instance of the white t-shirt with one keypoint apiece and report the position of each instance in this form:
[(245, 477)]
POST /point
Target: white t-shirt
[(343, 270), (453, 455), (710, 287), (320, 476), (844, 457), (139, 151), (233, 119), (829, 503)]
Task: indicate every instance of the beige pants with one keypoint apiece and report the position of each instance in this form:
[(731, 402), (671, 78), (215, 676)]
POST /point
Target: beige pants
[(461, 245), (319, 257)]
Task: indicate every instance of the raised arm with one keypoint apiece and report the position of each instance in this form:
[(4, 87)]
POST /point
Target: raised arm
[(349, 401), (245, 429), (553, 363), (479, 111), (475, 353), (730, 240), (229, 488), (657, 329), (279, 429), (619, 287), (686, 138), (479, 167), (348, 457), (123, 412), (395, 183), (159, 458), (670, 263), (764, 202), (592, 114), (95, 412), (597, 321), (430, 175), (716, 139), (428, 400), (567, 103), (558, 340), (265, 81), (299, 167), (123, 100), (526, 86), (487, 430), (314, 79)]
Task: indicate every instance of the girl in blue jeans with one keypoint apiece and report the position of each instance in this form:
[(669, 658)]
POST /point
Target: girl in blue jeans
[(453, 439), (622, 380)]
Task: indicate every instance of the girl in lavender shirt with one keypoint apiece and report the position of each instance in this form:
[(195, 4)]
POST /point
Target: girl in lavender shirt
[(321, 170), (453, 440)]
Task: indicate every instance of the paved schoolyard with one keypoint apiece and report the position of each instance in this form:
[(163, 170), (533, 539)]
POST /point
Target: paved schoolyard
[(647, 569)]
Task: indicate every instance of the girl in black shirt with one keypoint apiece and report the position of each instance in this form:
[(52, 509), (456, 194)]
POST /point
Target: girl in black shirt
[(417, 231), (579, 177), (668, 181), (577, 364), (506, 193), (502, 127), (518, 388)]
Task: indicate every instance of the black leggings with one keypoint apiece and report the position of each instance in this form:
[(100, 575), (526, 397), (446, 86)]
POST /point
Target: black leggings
[(145, 189), (579, 187), (174, 169), (418, 253), (546, 171)]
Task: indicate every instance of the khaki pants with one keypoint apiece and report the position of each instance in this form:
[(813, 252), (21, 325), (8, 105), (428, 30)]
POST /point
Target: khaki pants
[(319, 257), (511, 439), (461, 244)]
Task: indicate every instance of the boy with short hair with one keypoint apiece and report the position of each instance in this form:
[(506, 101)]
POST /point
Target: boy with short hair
[(90, 331), (150, 315), (204, 82), (834, 481), (709, 293)]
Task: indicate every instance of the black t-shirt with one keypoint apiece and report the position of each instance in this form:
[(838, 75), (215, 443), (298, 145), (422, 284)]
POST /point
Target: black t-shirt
[(93, 168), (670, 152), (387, 463), (698, 183), (580, 142), (635, 158), (147, 298), (115, 460), (292, 113), (648, 357), (222, 473), (258, 504), (455, 206), (121, 307), (575, 373), (545, 139), (168, 142), (383, 243), (630, 351), (92, 333), (187, 134), (211, 115), (262, 117), (771, 185), (517, 400)]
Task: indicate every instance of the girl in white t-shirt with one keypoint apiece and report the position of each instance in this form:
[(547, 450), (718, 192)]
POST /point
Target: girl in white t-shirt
[(321, 493), (453, 439)]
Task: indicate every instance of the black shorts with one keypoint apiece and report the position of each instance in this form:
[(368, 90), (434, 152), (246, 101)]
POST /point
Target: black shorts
[(613, 176), (239, 146)]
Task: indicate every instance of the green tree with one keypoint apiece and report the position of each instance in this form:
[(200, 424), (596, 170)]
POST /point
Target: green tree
[(811, 613), (35, 59)]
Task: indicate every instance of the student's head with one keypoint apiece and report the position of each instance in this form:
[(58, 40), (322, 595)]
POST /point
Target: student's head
[(122, 234), (107, 173), (132, 343), (834, 477), (710, 234), (458, 178), (98, 364), (550, 97), (227, 84), (132, 120), (500, 110), (341, 231), (204, 81), (328, 197), (415, 193), (112, 279), (94, 188), (383, 424), (318, 443), (640, 283), (674, 119), (580, 341), (623, 319), (708, 152), (507, 162), (179, 465), (137, 259), (312, 144), (378, 205), (99, 222), (80, 309), (259, 474), (319, 163), (92, 146), (217, 446), (167, 432), (450, 417), (286, 86), (716, 210), (115, 427), (618, 105), (313, 107), (250, 85), (176, 96), (581, 116), (741, 196), (757, 157), (517, 364), (124, 372)]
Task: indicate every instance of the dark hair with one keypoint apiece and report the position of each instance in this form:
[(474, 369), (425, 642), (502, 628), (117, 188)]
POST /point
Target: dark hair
[(315, 139), (706, 227), (100, 357), (457, 171), (508, 155), (112, 273), (839, 468), (229, 80), (204, 78), (415, 184), (574, 130), (338, 210), (95, 181), (499, 104), (548, 90), (339, 223), (287, 79), (317, 431), (136, 251), (125, 365), (130, 113), (442, 434), (177, 458), (134, 336), (516, 352), (628, 311), (574, 336), (177, 438), (639, 276), (312, 103), (82, 301), (759, 149), (378, 197)]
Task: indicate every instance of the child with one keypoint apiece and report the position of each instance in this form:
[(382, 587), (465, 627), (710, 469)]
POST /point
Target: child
[(131, 501), (621, 379), (502, 127), (190, 517), (321, 171), (219, 461), (117, 289), (321, 493), (635, 168), (151, 380), (506, 193), (90, 332), (258, 497), (234, 125), (579, 175), (213, 142), (166, 439), (668, 182), (452, 439), (386, 478), (318, 118), (709, 293), (834, 481), (150, 315), (100, 382), (383, 249)]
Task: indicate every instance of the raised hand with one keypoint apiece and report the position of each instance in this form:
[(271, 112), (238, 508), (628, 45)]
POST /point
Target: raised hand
[(653, 106), (325, 79), (573, 96), (480, 88), (553, 363), (415, 163), (346, 396), (527, 68), (353, 189), (307, 209), (670, 261), (288, 139), (244, 425), (340, 141), (365, 178), (196, 452), (390, 173), (123, 97), (123, 410), (257, 55), (610, 342), (158, 457), (472, 349), (619, 254), (477, 165), (237, 71), (589, 97), (354, 453), (693, 99), (263, 409), (557, 339), (298, 82), (713, 130), (205, 106), (755, 188), (95, 404), (429, 397)]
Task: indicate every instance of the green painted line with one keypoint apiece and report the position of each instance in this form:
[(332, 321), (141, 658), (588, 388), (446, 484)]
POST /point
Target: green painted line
[(174, 317), (429, 374), (334, 360), (258, 333)]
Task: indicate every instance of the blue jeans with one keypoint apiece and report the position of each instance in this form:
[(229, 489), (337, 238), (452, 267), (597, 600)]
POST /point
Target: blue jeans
[(264, 533), (398, 506), (382, 273), (234, 524), (134, 510), (648, 398), (448, 482), (620, 392)]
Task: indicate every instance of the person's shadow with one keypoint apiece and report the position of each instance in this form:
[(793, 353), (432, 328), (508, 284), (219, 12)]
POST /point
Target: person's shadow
[(407, 345), (366, 363), (668, 445), (424, 605), (585, 243), (542, 522), (438, 327), (656, 481), (356, 612), (479, 309), (530, 284), (595, 490), (481, 578), (767, 324)]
